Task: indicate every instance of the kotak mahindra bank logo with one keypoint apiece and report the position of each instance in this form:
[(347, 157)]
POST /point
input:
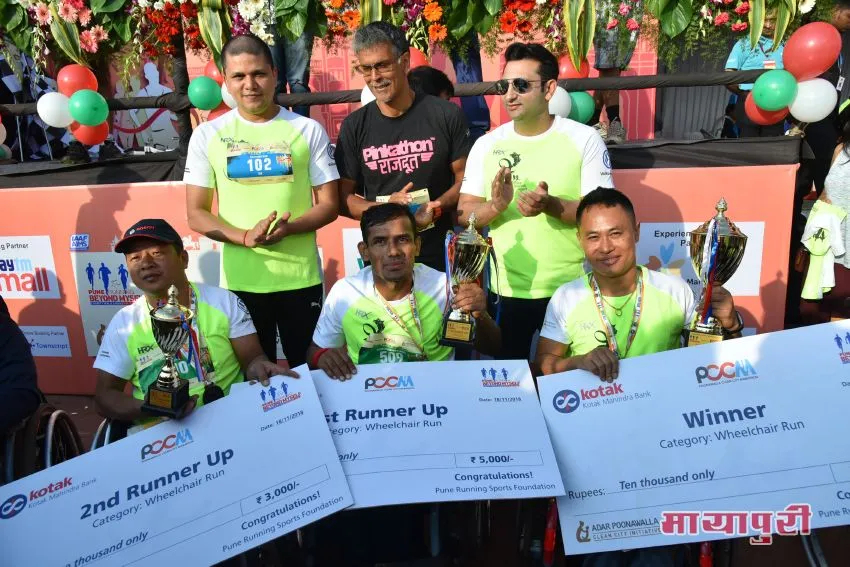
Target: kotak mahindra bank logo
[(14, 505), (404, 156), (725, 372), (568, 401), (26, 268), (166, 445), (390, 383)]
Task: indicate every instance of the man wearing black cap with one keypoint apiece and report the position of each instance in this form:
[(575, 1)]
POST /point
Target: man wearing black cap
[(222, 344)]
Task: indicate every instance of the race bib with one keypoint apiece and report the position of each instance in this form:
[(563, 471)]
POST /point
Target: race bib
[(389, 349), (260, 164), (150, 363), (769, 64)]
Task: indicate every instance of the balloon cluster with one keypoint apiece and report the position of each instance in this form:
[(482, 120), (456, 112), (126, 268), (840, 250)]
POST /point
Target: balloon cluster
[(5, 152), (77, 106), (810, 52), (578, 106), (209, 92)]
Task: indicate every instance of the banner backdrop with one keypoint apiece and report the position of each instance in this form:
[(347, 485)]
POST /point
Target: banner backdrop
[(57, 270)]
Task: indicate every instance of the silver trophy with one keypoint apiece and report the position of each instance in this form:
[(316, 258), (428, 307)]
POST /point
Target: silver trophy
[(170, 323), (467, 257), (731, 244)]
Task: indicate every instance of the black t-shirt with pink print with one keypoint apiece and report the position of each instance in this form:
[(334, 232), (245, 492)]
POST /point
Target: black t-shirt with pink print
[(383, 154)]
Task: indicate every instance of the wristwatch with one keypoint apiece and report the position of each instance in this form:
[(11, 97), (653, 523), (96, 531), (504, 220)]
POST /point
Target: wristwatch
[(739, 326)]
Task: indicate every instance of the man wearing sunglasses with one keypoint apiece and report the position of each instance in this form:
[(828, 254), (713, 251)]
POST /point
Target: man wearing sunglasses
[(406, 147), (524, 181)]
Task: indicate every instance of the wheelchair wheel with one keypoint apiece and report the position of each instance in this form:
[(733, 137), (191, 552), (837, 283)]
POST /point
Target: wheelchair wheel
[(48, 438)]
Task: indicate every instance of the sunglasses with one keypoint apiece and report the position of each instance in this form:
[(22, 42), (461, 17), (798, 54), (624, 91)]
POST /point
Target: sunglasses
[(521, 86), (382, 68)]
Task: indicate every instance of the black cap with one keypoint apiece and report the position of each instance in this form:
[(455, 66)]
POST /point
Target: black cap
[(156, 229)]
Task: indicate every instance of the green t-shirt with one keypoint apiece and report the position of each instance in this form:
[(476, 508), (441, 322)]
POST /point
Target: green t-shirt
[(354, 316), (537, 254), (129, 351), (572, 317), (257, 168)]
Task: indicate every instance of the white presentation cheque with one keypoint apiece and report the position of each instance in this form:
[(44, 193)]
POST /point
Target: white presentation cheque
[(743, 437), (244, 470), (440, 431)]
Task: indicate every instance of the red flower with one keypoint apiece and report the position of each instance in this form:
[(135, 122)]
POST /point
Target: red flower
[(740, 26), (512, 5), (526, 5), (508, 21), (524, 26), (742, 8), (721, 19)]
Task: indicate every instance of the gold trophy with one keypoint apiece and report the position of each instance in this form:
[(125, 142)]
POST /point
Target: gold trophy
[(716, 249), (169, 395), (467, 253)]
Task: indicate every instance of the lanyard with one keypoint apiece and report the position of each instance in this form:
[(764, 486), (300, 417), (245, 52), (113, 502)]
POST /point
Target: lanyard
[(398, 321), (606, 323)]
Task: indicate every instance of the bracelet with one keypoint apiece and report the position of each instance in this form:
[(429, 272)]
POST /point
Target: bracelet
[(244, 238), (317, 356), (738, 328)]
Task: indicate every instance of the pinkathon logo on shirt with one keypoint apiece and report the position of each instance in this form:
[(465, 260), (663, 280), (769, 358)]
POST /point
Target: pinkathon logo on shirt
[(404, 156)]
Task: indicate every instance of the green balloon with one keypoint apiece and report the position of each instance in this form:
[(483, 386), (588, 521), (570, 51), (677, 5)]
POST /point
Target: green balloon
[(775, 90), (204, 93), (582, 107), (88, 107)]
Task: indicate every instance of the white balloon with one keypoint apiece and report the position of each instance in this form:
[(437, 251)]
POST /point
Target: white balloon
[(560, 104), (227, 97), (815, 100), (366, 96), (2, 133), (54, 111)]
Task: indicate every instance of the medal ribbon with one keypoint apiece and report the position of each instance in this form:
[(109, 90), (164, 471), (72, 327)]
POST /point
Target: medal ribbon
[(398, 320), (606, 323)]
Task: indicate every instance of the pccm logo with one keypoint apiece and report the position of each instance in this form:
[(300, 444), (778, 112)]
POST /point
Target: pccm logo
[(169, 443), (389, 383), (724, 372), (566, 401), (12, 506)]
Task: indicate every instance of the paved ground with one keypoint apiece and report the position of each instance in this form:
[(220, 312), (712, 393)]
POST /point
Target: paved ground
[(81, 410)]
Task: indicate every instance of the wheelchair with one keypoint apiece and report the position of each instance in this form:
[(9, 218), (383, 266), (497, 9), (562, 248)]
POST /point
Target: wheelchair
[(46, 438), (108, 432)]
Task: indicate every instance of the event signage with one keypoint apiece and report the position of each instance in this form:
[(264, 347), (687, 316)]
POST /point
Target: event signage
[(722, 440), (440, 431), (241, 471)]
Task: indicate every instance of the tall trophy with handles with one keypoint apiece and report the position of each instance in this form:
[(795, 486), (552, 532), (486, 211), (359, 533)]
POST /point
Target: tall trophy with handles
[(169, 395), (716, 250), (467, 253)]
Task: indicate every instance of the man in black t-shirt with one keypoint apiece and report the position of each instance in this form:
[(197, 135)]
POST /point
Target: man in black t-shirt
[(406, 147)]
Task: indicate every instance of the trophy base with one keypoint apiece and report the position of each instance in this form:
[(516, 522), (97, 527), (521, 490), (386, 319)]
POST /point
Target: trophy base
[(458, 332), (167, 402), (699, 336)]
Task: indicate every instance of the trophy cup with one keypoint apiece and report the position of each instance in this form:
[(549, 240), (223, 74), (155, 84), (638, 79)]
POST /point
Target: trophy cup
[(716, 249), (169, 395), (467, 253)]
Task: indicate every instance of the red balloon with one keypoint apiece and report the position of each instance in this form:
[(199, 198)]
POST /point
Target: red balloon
[(417, 58), (73, 78), (211, 71), (811, 50), (760, 116), (90, 135), (566, 69), (218, 111)]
